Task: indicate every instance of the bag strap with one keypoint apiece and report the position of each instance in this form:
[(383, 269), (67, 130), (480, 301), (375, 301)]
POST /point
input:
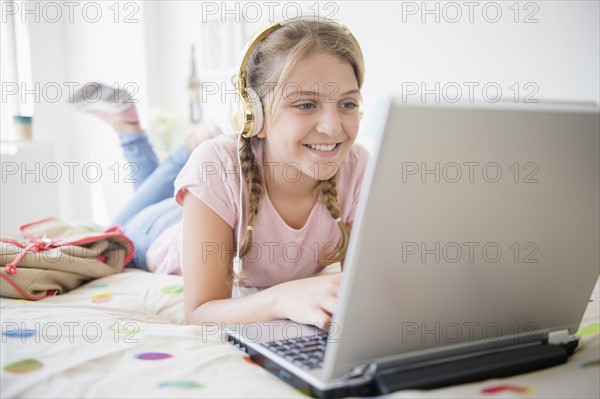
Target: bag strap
[(23, 227), (37, 245), (43, 244)]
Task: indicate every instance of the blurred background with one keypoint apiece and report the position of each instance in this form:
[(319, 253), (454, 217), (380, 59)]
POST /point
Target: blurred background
[(436, 51)]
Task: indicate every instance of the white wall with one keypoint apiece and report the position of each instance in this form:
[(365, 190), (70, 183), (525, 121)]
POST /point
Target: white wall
[(559, 53), (550, 54), (558, 56), (71, 53)]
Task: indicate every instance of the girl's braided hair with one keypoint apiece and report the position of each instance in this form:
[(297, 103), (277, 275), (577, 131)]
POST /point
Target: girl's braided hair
[(273, 60)]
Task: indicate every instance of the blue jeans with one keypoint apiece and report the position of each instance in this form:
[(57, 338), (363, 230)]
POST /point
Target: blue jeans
[(152, 208)]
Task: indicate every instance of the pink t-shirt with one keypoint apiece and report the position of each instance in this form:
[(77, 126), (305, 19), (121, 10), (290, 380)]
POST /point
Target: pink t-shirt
[(279, 252)]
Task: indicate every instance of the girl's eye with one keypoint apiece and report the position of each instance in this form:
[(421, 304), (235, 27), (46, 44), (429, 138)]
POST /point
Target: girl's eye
[(349, 105), (305, 106)]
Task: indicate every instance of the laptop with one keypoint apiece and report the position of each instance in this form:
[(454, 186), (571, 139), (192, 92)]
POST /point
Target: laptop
[(473, 253)]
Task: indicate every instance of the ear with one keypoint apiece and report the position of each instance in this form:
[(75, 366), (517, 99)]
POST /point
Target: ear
[(265, 122)]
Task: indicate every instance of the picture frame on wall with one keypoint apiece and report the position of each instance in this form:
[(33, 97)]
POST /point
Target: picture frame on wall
[(220, 44)]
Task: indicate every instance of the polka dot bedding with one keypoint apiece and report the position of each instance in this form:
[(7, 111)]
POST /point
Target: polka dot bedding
[(124, 336)]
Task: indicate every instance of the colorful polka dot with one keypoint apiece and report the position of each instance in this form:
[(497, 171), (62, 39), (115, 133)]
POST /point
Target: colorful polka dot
[(180, 384), (588, 330), (132, 331), (250, 361), (506, 388), (102, 298), (153, 356), (26, 333), (24, 366), (172, 289), (299, 392), (589, 364), (98, 286)]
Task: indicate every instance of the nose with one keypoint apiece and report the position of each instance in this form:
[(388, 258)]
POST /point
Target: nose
[(329, 122)]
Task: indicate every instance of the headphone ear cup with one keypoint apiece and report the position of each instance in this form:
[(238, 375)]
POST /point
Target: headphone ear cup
[(246, 113), (257, 112), (237, 113)]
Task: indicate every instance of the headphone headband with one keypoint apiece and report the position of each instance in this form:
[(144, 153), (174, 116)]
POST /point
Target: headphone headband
[(257, 38), (249, 49), (247, 117)]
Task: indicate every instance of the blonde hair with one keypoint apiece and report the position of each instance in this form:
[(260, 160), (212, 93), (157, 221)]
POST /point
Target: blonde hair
[(274, 59)]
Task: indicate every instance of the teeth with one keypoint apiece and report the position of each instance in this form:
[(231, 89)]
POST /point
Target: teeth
[(322, 147)]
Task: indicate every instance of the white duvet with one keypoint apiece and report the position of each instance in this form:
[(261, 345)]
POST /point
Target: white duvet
[(123, 336)]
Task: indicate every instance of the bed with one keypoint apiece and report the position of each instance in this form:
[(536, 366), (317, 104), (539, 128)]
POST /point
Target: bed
[(124, 336)]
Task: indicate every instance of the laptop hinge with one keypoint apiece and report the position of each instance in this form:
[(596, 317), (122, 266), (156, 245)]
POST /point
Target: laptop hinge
[(559, 337), (361, 371), (501, 363)]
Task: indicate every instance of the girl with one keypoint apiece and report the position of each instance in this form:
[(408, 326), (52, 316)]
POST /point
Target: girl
[(301, 176)]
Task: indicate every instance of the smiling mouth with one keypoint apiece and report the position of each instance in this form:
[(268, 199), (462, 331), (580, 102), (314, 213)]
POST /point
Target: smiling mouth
[(322, 147)]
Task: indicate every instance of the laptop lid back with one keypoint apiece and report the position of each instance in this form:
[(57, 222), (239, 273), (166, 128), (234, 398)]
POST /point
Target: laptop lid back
[(478, 226)]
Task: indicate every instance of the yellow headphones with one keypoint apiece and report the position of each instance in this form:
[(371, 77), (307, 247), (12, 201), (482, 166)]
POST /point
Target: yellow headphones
[(247, 111)]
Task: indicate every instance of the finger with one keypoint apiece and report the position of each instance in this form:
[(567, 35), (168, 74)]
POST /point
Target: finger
[(328, 304), (324, 321)]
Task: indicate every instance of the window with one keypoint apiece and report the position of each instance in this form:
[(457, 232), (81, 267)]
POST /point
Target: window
[(16, 69)]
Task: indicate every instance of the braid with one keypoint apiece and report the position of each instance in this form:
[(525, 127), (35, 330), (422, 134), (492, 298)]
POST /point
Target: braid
[(252, 176), (328, 190)]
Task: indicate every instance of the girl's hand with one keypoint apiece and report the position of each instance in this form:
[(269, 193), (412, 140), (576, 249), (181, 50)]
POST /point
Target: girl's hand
[(309, 301)]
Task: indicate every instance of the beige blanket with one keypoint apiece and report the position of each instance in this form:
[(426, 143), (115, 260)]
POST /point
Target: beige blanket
[(123, 336)]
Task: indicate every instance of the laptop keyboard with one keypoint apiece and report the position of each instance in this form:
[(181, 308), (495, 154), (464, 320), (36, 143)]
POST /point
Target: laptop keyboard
[(304, 352)]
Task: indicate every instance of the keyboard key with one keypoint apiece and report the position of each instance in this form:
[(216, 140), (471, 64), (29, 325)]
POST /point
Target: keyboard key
[(306, 352)]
